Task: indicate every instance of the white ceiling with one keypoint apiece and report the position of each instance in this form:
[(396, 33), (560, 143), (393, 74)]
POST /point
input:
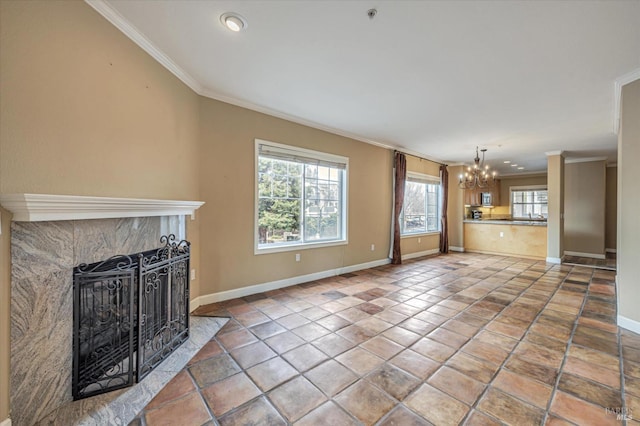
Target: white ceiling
[(436, 78)]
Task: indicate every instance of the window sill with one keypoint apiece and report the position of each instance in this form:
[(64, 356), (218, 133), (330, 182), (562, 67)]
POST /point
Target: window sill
[(295, 247), (419, 234)]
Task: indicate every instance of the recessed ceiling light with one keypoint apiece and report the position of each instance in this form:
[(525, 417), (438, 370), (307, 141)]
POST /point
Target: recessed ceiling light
[(507, 162), (233, 21), (514, 165), (520, 168)]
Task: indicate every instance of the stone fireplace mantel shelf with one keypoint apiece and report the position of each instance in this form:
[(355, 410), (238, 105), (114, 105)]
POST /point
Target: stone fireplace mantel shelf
[(47, 207)]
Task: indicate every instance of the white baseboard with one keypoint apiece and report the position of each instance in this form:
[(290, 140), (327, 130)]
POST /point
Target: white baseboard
[(629, 324), (420, 254), (361, 266), (556, 260), (205, 299), (610, 250), (580, 254), (458, 249), (617, 291), (5, 422)]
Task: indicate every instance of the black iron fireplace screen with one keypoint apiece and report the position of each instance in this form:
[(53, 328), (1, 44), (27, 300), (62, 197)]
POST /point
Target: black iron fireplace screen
[(130, 313)]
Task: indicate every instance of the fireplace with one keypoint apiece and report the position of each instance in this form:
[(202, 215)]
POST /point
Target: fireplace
[(50, 236), (130, 313)]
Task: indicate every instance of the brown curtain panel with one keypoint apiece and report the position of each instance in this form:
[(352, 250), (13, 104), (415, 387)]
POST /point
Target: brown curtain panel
[(401, 177), (444, 229)]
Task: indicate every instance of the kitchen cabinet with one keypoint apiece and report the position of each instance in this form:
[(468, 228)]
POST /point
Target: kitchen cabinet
[(473, 197), (495, 194), (470, 197)]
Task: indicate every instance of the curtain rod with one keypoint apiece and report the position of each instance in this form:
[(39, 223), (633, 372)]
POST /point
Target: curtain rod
[(421, 158)]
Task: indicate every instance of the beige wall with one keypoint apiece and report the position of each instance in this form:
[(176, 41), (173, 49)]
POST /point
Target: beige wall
[(228, 179), (420, 165), (5, 306), (629, 204), (423, 243), (555, 221), (611, 208), (84, 111), (507, 182), (584, 201), (455, 211)]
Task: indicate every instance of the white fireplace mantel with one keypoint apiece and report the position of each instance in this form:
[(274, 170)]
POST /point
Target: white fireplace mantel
[(45, 207)]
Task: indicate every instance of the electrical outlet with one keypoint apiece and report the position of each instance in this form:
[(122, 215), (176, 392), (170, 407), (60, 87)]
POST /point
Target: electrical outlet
[(373, 247), (297, 257), (501, 234), (193, 274)]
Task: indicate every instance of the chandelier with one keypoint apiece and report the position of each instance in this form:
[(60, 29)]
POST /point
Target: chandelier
[(478, 175)]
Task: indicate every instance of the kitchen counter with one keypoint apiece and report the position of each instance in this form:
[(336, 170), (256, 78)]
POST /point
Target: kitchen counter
[(507, 222), (507, 237)]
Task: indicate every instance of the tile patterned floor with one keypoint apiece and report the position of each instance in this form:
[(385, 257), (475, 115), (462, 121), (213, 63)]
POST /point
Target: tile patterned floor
[(608, 263), (456, 339)]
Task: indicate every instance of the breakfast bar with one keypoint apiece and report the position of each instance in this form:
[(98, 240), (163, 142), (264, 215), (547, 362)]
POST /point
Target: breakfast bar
[(524, 238)]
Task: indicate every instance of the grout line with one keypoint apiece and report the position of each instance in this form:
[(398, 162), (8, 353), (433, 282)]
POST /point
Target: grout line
[(599, 267), (198, 390), (511, 353), (206, 405), (566, 352), (482, 328), (515, 272), (623, 397)]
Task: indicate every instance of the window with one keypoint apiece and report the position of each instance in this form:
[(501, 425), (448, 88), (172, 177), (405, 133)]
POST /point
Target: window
[(301, 197), (529, 203), (421, 209)]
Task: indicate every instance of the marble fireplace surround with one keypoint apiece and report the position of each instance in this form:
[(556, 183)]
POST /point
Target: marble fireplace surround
[(51, 234)]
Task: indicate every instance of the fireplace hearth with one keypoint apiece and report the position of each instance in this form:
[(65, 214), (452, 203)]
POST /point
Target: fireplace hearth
[(130, 313)]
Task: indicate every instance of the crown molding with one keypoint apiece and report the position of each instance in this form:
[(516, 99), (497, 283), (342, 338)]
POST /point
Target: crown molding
[(617, 87), (584, 160), (523, 175), (45, 207), (119, 21)]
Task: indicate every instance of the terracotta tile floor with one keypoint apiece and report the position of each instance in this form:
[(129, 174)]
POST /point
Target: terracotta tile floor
[(455, 339), (608, 263)]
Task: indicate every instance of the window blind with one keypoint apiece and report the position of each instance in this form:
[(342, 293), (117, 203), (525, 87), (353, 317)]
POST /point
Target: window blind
[(315, 158), (420, 178)]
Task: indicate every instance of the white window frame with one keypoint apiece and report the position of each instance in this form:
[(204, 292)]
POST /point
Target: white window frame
[(284, 247), (524, 188), (428, 179)]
